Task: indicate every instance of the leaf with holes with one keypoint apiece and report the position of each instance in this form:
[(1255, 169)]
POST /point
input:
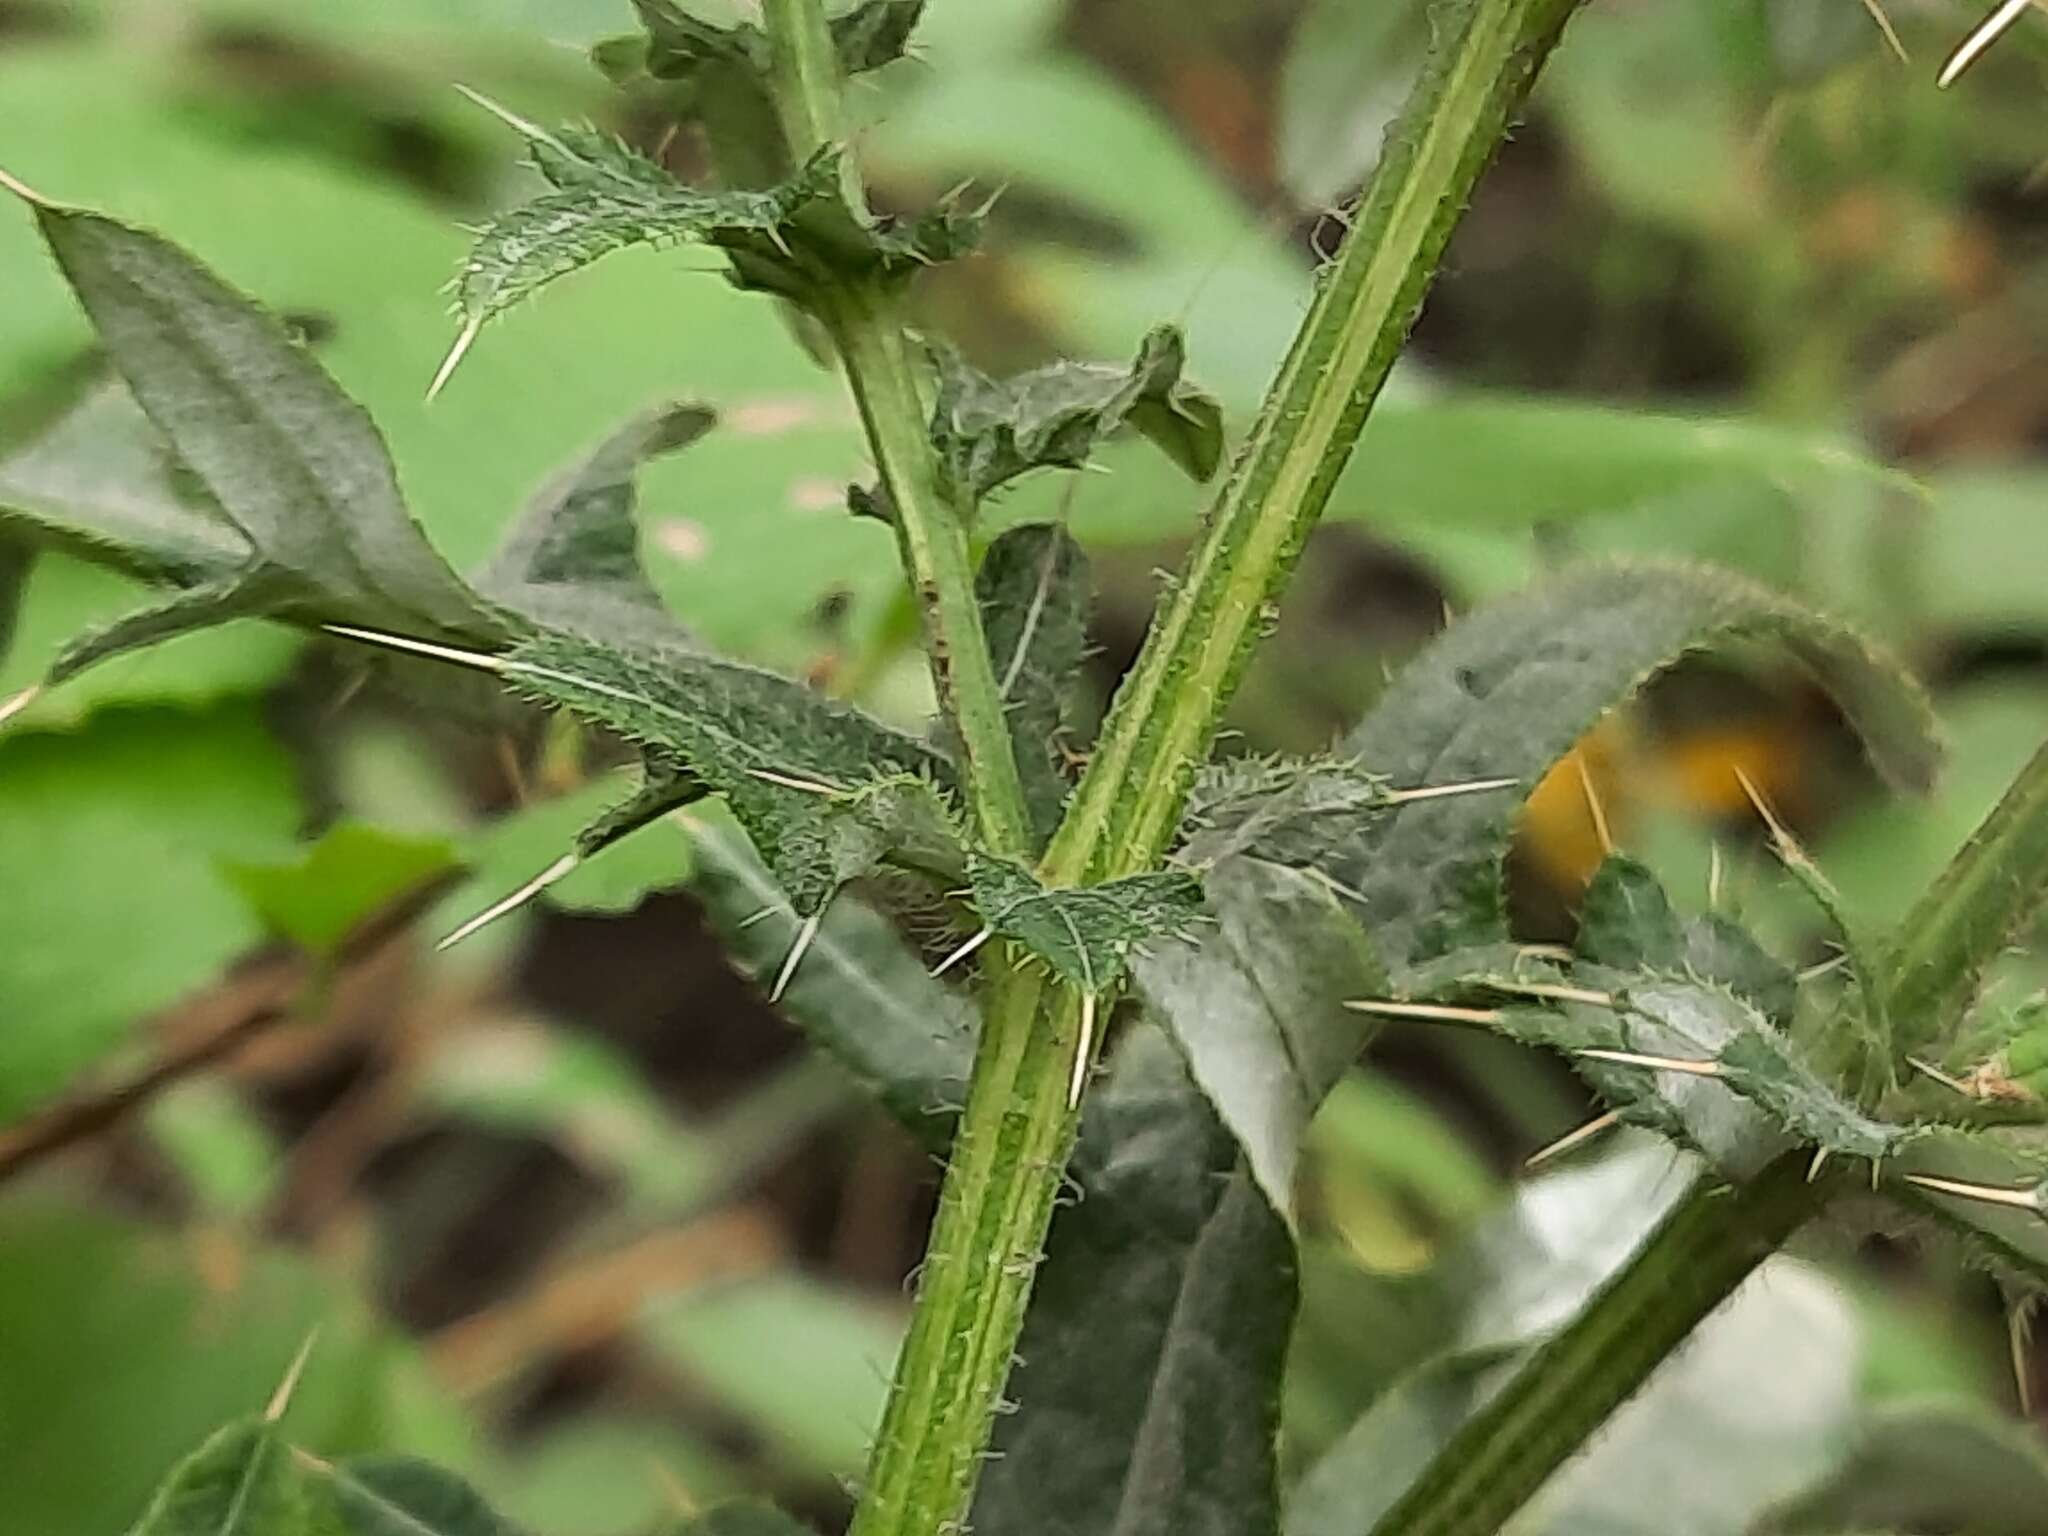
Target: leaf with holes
[(572, 560), (1088, 933), (1033, 590), (1506, 693)]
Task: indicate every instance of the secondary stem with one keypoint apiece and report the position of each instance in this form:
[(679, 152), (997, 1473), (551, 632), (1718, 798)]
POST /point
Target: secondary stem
[(867, 330), (1709, 1244)]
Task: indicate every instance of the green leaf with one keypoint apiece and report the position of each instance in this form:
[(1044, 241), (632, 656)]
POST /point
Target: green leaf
[(990, 431), (860, 994), (15, 559), (1085, 933), (1152, 1352), (572, 560), (1033, 588), (321, 894), (1627, 924), (242, 1482), (801, 772), (1300, 813), (868, 36), (1506, 692), (1967, 917), (1346, 74), (1927, 1467), (401, 1496), (81, 814), (1257, 1005), (291, 462)]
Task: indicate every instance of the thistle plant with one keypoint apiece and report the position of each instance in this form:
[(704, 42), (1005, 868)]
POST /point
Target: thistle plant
[(1171, 960)]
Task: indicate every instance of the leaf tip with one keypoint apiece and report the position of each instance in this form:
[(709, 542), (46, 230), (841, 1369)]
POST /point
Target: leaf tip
[(24, 191), (281, 1399), (463, 342), (9, 708), (511, 903)]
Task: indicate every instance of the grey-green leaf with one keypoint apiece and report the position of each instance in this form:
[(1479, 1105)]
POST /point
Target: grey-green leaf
[(1088, 934), (294, 464), (1506, 692), (572, 560), (797, 768), (401, 1496), (1033, 588), (1256, 1004), (1158, 1325), (989, 431), (1299, 812), (2005, 1226)]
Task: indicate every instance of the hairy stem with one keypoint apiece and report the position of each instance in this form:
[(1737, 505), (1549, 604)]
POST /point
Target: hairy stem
[(1017, 1129), (1167, 712), (1709, 1244), (867, 330)]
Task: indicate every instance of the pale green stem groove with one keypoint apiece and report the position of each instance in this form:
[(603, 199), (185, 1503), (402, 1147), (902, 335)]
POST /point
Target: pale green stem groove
[(931, 532), (1168, 710), (1016, 1132)]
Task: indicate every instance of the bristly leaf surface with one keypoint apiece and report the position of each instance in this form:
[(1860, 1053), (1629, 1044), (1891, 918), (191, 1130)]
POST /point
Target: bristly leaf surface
[(1506, 693), (1089, 933)]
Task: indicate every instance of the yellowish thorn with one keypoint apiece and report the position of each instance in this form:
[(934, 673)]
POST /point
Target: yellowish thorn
[(1820, 1161), (1593, 806), (1891, 33), (1445, 791), (19, 702), (1655, 1063), (1984, 1194), (464, 340), (963, 952), (1573, 1138), (519, 898), (790, 781), (1972, 48), (281, 1399), (804, 936), (481, 660), (24, 191), (1556, 991), (1928, 1069), (507, 116), (1083, 1046), (1436, 1013)]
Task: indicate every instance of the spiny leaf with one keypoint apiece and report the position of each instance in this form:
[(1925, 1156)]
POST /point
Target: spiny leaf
[(572, 560), (1627, 924), (1506, 692), (1033, 590), (1085, 933), (989, 431), (401, 1496), (799, 771), (1967, 917), (1256, 1005), (292, 464), (679, 45), (1152, 1352), (1301, 813), (2005, 1224), (242, 1482), (794, 239)]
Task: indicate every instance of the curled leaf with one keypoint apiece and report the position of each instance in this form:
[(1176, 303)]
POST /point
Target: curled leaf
[(1033, 591)]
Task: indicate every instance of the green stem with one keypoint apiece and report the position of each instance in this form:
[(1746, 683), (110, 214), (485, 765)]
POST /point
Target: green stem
[(1017, 1130), (1969, 915), (1703, 1250), (867, 329), (1166, 714)]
